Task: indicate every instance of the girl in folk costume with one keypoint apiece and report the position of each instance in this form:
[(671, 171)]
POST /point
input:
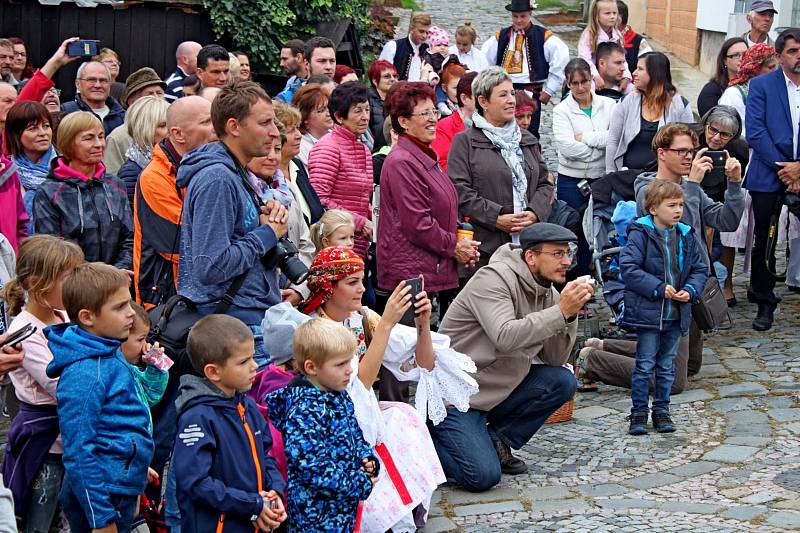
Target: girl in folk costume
[(602, 28), (410, 469)]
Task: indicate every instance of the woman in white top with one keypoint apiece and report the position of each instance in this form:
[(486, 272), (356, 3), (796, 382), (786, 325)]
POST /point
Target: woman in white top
[(466, 51), (580, 127), (757, 60)]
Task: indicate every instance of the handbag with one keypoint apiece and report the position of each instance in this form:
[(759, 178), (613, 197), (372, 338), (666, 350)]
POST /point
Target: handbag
[(711, 310)]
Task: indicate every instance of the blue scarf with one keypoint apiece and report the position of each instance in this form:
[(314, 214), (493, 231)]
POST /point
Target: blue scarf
[(31, 174)]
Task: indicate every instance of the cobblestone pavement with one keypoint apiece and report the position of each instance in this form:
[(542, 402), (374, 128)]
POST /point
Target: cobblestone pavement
[(733, 464)]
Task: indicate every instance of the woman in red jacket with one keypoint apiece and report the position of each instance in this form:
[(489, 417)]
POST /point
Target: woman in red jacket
[(340, 166)]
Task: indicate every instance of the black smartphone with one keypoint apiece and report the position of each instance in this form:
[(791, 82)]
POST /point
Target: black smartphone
[(416, 288), (19, 335), (83, 48), (718, 158)]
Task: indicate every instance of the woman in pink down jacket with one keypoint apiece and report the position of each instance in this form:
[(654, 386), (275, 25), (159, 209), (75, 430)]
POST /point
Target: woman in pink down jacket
[(340, 166)]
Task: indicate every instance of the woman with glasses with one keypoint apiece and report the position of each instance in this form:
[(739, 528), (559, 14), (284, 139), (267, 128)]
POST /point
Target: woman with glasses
[(22, 68), (340, 166), (498, 168), (580, 127), (315, 119), (728, 61), (757, 60), (382, 75), (636, 119)]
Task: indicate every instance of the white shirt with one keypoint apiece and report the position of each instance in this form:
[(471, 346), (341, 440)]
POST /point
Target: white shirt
[(101, 112), (556, 54), (390, 49), (793, 92), (474, 59)]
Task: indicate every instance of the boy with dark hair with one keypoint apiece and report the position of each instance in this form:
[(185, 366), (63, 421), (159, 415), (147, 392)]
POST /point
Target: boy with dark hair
[(220, 462), (663, 273), (104, 425)]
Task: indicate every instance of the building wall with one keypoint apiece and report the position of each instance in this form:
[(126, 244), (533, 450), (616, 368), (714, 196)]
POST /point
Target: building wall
[(637, 17), (673, 24), (710, 45)]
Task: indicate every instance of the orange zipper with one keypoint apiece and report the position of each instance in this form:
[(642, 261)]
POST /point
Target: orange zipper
[(253, 452)]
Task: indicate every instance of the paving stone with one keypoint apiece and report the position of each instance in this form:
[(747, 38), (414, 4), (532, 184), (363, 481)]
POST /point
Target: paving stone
[(497, 494), (627, 503), (439, 524), (777, 402), (573, 505), (748, 441), (742, 364), (744, 512), (691, 508), (553, 492), (794, 427), (697, 468), (592, 412), (785, 415), (760, 497), (649, 481), (785, 519), (696, 395), (487, 508), (793, 504), (712, 371), (603, 489), (732, 404), (745, 388), (787, 386), (747, 417), (728, 453), (752, 430)]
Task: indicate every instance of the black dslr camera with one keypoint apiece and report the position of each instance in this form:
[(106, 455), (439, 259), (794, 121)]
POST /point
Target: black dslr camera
[(284, 256)]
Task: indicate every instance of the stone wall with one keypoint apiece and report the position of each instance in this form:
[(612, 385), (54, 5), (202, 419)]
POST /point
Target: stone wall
[(673, 24)]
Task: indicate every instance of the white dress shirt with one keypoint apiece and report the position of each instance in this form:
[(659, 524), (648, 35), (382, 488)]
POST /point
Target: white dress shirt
[(474, 59), (793, 92), (390, 49)]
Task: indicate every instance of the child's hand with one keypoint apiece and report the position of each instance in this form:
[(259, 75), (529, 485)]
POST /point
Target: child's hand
[(371, 470), (152, 476), (273, 513), (682, 296), (154, 355), (669, 291)]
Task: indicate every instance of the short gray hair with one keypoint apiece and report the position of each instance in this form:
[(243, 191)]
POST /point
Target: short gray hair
[(82, 67), (725, 116), (485, 81)]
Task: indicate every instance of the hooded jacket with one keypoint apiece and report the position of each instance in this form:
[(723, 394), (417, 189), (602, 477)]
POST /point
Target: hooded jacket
[(645, 267), (699, 210), (220, 459), (324, 449), (92, 211), (506, 321), (221, 236), (107, 446), (13, 217), (114, 119)]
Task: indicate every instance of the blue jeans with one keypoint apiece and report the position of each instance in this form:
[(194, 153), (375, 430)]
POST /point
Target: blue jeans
[(567, 190), (655, 350), (78, 523), (172, 513), (43, 506), (463, 441)]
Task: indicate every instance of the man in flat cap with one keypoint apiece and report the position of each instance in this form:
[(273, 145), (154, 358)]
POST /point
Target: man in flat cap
[(519, 331), (761, 17)]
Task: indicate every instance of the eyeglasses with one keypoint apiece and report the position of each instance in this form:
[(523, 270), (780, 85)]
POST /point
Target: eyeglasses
[(737, 55), (724, 135), (55, 91), (93, 81), (558, 255), (321, 111), (112, 62), (389, 76), (683, 152), (430, 114)]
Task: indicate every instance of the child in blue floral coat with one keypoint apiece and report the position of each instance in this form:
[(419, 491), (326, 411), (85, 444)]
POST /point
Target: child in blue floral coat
[(331, 468)]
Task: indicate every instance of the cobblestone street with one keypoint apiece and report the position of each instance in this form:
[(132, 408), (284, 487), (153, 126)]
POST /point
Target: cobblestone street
[(733, 464)]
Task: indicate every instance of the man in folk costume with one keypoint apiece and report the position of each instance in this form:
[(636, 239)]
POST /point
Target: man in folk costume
[(532, 55)]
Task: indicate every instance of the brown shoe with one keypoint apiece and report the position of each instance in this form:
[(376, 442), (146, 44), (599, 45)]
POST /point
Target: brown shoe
[(584, 384), (508, 463)]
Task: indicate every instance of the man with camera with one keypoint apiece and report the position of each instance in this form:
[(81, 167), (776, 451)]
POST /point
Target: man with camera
[(227, 235)]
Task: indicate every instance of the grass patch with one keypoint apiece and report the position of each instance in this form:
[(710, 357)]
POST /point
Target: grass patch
[(412, 5), (555, 4)]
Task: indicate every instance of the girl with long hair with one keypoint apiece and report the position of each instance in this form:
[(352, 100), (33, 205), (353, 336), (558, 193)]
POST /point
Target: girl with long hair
[(602, 28)]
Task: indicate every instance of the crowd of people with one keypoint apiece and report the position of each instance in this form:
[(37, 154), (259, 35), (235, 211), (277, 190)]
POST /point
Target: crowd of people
[(340, 241)]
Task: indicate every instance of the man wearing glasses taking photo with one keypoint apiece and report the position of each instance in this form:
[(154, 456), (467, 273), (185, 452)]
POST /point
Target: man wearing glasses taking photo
[(93, 85)]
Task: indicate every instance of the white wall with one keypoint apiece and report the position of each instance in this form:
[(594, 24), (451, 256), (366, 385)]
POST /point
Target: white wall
[(712, 15)]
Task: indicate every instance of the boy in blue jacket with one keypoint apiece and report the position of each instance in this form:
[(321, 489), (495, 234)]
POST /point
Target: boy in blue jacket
[(331, 468), (663, 272), (104, 426), (225, 478)]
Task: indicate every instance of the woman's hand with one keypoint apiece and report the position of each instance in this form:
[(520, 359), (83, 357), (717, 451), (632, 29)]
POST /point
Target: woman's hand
[(733, 168), (398, 303), (467, 252), (579, 137), (523, 220), (422, 310), (366, 231)]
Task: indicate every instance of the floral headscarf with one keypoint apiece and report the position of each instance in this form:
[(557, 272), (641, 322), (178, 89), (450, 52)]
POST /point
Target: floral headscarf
[(752, 61), (329, 265)]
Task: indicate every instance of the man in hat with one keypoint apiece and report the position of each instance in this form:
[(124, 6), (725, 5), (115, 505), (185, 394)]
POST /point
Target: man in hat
[(532, 55), (141, 83), (519, 331), (761, 16)]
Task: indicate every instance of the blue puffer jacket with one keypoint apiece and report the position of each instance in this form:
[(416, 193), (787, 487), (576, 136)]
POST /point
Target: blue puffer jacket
[(324, 449), (644, 263), (221, 452), (104, 424)]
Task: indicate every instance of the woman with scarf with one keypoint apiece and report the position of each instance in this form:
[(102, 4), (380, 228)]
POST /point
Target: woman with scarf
[(29, 140), (410, 467), (497, 168), (146, 121), (758, 59)]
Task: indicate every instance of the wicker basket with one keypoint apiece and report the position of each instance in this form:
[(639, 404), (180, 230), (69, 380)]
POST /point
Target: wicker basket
[(562, 414)]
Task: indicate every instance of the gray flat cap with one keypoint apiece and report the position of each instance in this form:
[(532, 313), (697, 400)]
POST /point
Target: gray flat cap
[(542, 232)]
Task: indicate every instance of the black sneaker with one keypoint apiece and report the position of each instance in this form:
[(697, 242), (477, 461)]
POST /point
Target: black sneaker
[(662, 422), (508, 463), (638, 423)]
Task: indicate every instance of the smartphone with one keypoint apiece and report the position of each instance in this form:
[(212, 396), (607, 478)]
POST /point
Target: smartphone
[(719, 158), (416, 288), (83, 48), (19, 335)]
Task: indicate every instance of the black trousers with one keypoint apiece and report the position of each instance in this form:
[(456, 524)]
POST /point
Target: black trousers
[(762, 281)]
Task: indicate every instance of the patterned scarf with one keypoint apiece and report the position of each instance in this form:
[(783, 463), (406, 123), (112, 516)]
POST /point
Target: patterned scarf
[(31, 174), (329, 265), (139, 156), (752, 61), (507, 140)]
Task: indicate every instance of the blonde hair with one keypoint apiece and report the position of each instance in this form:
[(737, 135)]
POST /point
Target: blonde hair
[(420, 19), (142, 119), (41, 261), (593, 28), (288, 115), (235, 66), (319, 340), (467, 30), (73, 125), (330, 221)]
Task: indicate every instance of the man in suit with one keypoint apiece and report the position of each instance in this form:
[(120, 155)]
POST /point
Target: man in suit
[(772, 132)]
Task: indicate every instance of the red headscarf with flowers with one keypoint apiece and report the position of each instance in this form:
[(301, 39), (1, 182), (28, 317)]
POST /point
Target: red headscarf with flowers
[(752, 61), (329, 265)]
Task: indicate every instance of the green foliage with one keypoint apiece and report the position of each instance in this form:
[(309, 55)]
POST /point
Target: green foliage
[(261, 26)]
